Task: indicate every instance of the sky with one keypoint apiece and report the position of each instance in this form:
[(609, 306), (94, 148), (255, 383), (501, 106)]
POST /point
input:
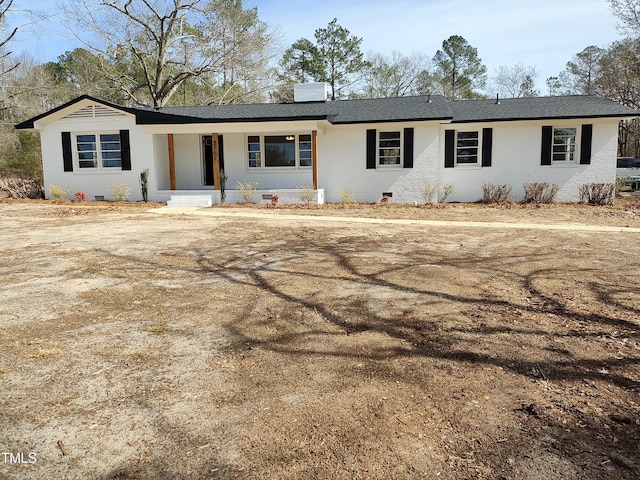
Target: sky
[(544, 34)]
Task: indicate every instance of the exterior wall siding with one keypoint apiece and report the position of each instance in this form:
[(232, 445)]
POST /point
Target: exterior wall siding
[(95, 183), (342, 164), (516, 160)]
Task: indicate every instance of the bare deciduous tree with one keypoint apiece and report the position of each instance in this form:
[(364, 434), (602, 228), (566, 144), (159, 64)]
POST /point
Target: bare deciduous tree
[(628, 13), (155, 46), (515, 82), (5, 5), (393, 76)]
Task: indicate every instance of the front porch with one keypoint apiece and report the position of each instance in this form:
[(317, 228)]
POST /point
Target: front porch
[(189, 167)]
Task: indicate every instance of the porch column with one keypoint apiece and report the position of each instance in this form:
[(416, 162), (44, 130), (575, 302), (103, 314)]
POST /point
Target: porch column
[(215, 150), (314, 158), (172, 162)]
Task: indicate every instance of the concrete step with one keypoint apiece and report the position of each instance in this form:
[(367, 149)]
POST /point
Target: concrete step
[(190, 201)]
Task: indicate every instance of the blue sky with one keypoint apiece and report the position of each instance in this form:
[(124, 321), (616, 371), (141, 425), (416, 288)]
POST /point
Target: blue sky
[(544, 33)]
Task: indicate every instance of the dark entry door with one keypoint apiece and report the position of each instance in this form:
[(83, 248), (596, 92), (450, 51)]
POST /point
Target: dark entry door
[(207, 158)]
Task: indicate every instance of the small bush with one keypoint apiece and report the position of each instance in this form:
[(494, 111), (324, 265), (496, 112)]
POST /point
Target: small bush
[(80, 196), (385, 199), (597, 193), (492, 193), (57, 191), (429, 191), (446, 189), (306, 194), (274, 200), (346, 196), (542, 192), (120, 192), (247, 190)]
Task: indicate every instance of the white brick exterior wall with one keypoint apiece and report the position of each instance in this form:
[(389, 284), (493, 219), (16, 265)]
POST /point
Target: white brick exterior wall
[(341, 158), (516, 160)]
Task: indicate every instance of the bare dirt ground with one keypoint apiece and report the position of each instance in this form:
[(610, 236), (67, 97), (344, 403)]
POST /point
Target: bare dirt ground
[(137, 345)]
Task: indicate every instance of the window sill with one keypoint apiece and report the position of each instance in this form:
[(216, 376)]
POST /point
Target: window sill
[(97, 171), (564, 164), (467, 166)]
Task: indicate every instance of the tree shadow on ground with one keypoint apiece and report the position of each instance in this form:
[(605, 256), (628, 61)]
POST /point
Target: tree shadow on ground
[(267, 273), (444, 307)]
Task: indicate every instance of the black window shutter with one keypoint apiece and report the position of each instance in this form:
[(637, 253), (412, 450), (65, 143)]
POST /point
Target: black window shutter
[(547, 140), (585, 144), (408, 148), (487, 144), (125, 149), (67, 154), (449, 148), (372, 137)]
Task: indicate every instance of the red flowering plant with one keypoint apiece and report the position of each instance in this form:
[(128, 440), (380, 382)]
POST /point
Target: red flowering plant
[(80, 196), (274, 200)]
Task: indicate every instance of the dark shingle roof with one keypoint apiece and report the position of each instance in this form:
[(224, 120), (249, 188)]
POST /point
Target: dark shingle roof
[(337, 112), (419, 108), (537, 108)]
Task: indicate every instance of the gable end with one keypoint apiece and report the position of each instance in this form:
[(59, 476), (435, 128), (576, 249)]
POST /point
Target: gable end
[(95, 111)]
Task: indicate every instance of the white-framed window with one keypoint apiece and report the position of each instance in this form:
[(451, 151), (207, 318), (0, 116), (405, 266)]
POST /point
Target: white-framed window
[(564, 145), (279, 151), (254, 151), (98, 150), (305, 150), (467, 147), (389, 148)]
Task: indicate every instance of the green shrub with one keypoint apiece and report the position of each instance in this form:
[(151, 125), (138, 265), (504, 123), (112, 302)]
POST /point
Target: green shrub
[(20, 156)]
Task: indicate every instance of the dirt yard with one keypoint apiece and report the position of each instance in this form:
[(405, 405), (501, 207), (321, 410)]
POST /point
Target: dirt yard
[(265, 344)]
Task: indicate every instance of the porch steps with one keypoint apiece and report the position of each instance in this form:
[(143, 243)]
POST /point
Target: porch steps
[(190, 201)]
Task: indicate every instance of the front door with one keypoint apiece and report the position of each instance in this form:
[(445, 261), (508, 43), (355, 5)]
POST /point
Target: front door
[(207, 159)]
